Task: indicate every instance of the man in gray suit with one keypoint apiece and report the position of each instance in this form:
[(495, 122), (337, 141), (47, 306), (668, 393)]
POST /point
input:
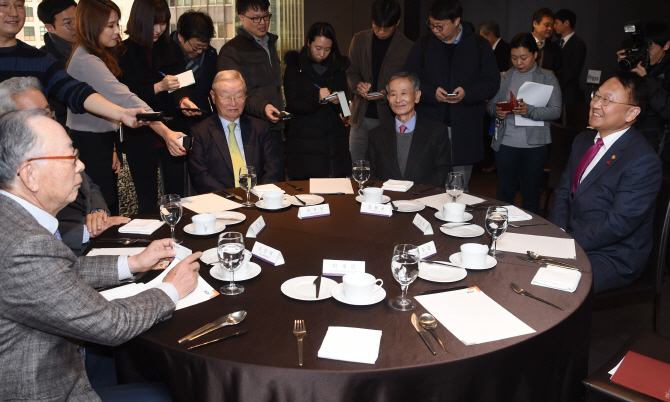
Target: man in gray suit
[(88, 215), (48, 306)]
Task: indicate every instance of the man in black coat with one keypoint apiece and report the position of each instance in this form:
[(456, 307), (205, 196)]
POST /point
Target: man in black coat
[(458, 73), (550, 54), (412, 148), (501, 50), (229, 141), (573, 55)]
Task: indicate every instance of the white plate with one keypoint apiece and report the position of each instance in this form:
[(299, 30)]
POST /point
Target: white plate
[(490, 261), (441, 273), (230, 218), (463, 231), (261, 205), (218, 227), (409, 206), (302, 288), (338, 294), (466, 217), (385, 199), (309, 199), (221, 274), (210, 256)]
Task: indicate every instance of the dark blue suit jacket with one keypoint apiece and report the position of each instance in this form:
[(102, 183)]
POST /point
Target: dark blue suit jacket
[(610, 215), (209, 163)]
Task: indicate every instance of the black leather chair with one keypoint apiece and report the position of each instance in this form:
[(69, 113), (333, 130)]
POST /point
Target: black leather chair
[(644, 342), (648, 286), (576, 115), (562, 138)]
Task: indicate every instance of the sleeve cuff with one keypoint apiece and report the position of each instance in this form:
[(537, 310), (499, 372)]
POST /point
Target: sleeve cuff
[(87, 236), (124, 269), (169, 290)]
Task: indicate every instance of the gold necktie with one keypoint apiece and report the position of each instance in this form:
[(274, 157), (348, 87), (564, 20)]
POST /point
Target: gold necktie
[(235, 154), (539, 44)]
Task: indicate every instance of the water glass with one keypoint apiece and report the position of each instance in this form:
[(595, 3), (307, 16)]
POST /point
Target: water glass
[(405, 268), (171, 212), (454, 185), (361, 173), (230, 251), (248, 182), (496, 225)]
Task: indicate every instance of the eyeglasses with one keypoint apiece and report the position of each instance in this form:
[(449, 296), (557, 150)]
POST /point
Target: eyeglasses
[(50, 113), (74, 156), (257, 20), (432, 27), (196, 49), (237, 97), (377, 28), (6, 7), (67, 25), (605, 100)]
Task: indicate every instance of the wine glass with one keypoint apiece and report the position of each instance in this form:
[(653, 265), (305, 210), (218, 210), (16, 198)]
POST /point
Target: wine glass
[(496, 225), (405, 268), (361, 173), (230, 251), (171, 212), (454, 185), (248, 182)]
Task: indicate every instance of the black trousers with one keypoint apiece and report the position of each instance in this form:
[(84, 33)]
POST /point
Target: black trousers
[(96, 150), (522, 167)]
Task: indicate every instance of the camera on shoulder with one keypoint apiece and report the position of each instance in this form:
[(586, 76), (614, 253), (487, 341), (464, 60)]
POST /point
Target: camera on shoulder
[(639, 52)]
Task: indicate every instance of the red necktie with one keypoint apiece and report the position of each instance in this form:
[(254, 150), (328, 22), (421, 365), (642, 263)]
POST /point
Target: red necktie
[(585, 162), (402, 129)]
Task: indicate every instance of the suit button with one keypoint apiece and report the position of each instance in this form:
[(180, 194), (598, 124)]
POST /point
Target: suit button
[(88, 388), (80, 349)]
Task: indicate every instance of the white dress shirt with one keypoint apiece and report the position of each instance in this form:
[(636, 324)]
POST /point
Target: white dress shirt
[(566, 38), (238, 133), (608, 141)]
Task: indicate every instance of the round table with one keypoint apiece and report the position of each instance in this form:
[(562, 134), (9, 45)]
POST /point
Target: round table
[(262, 365)]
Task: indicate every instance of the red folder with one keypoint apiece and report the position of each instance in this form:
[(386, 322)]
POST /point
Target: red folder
[(644, 374), (508, 106)]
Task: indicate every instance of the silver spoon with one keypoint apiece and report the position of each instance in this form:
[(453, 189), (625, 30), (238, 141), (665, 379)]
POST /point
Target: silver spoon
[(538, 257), (234, 318), (430, 323)]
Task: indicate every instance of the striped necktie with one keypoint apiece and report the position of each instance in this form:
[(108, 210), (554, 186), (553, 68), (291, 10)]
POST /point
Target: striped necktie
[(235, 155)]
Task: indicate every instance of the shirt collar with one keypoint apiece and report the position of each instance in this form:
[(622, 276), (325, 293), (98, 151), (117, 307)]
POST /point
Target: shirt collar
[(264, 42), (458, 38), (496, 44), (48, 221), (225, 122), (609, 140), (538, 40), (411, 123), (566, 38)]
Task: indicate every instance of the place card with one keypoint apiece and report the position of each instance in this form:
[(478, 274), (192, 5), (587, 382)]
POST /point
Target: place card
[(256, 228), (376, 209), (182, 252), (423, 225), (342, 267), (427, 250), (314, 211), (267, 254)]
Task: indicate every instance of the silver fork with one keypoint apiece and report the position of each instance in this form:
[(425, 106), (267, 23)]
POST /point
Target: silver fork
[(523, 225), (300, 332), (520, 291)]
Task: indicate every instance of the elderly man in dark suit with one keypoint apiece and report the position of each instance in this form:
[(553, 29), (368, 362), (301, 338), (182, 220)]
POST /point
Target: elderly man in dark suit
[(412, 147), (48, 306), (607, 194), (501, 50), (229, 141), (573, 55)]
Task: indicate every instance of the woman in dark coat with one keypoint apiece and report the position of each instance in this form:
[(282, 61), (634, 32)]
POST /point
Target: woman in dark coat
[(317, 142)]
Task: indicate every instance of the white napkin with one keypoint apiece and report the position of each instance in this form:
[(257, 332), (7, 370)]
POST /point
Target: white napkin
[(258, 191), (397, 185), (515, 214), (141, 226), (356, 345), (558, 278)]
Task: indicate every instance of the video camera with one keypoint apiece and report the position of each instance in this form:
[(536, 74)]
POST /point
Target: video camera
[(640, 50)]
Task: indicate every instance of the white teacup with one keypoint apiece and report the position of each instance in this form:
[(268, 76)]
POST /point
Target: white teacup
[(453, 211), (473, 255), (373, 195), (360, 286), (273, 199), (204, 223)]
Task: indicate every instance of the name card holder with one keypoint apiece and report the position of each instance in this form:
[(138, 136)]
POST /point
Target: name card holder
[(427, 250), (342, 267), (376, 209), (256, 228), (314, 211), (267, 254), (423, 225)]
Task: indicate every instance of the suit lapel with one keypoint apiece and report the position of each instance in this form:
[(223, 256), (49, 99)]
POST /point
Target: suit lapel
[(367, 57), (217, 133), (605, 162), (247, 144), (419, 138)]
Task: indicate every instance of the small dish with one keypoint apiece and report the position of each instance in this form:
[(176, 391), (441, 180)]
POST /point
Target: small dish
[(456, 260), (385, 199), (464, 231), (337, 292), (466, 217), (221, 274), (409, 206), (218, 227), (309, 199), (441, 273), (230, 218), (210, 256), (303, 288)]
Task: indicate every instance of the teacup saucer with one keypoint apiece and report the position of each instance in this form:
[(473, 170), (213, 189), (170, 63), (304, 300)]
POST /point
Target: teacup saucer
[(218, 227), (441, 273), (251, 271), (261, 205), (466, 217), (337, 292), (456, 260), (385, 199)]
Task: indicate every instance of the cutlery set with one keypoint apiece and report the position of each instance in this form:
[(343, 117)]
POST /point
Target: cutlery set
[(226, 320)]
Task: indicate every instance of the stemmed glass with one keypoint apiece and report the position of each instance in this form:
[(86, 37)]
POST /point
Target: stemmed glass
[(361, 173), (405, 268), (454, 185), (248, 182), (171, 212), (496, 225), (230, 251)]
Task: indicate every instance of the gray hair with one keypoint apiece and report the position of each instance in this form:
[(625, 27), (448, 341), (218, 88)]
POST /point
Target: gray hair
[(229, 75), (12, 87), (416, 84), (488, 27), (18, 142)]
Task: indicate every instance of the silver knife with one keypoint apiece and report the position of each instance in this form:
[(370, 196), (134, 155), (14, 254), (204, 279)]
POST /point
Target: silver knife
[(301, 201), (124, 239), (205, 327), (238, 333), (317, 282), (422, 332), (557, 263)]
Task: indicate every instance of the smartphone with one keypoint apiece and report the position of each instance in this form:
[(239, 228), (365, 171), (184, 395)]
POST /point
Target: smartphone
[(187, 143), (153, 116), (191, 109), (452, 94), (283, 115), (375, 94)]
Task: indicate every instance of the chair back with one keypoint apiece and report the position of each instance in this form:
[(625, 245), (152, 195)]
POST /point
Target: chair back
[(562, 138), (576, 115)]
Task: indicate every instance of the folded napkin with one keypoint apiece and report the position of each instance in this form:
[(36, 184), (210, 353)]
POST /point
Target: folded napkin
[(264, 188), (558, 278), (515, 214), (141, 226), (356, 345), (397, 185)]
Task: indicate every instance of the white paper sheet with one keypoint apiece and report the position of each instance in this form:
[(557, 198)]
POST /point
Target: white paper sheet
[(515, 214), (436, 201), (185, 79), (116, 251), (344, 103), (543, 245), (209, 203), (319, 186), (473, 317), (356, 345), (534, 94)]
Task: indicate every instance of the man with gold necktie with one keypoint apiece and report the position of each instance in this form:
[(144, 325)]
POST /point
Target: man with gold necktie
[(226, 143)]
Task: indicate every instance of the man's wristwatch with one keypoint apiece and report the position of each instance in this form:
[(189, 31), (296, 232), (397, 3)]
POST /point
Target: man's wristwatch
[(100, 210)]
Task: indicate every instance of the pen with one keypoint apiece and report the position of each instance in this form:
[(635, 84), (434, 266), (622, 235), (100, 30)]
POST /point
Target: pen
[(317, 86), (161, 73), (428, 292)]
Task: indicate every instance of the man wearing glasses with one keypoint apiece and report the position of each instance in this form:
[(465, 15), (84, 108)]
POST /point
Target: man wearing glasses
[(606, 196), (458, 73)]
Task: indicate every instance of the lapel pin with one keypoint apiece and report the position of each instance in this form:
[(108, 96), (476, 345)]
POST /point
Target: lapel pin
[(613, 156), (608, 162)]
